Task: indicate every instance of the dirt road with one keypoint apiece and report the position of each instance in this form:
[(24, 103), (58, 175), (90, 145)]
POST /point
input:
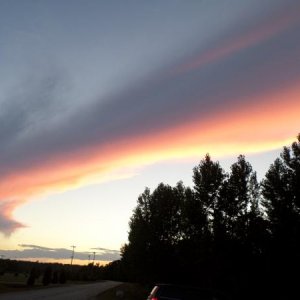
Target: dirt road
[(72, 292)]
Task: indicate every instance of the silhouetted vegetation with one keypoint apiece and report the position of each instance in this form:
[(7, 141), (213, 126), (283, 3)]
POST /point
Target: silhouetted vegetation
[(228, 232), (32, 277), (47, 278), (34, 274), (55, 277), (62, 277)]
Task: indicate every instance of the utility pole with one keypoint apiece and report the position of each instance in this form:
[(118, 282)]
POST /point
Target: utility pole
[(72, 256), (94, 257)]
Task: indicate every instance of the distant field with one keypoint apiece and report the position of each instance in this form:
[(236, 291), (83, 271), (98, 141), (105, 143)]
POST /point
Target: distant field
[(12, 282), (11, 277), (130, 291)]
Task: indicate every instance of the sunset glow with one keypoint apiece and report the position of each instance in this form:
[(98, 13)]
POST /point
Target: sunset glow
[(101, 97), (219, 135)]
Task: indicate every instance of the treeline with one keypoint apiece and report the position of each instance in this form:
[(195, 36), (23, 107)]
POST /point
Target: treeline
[(37, 273), (228, 232)]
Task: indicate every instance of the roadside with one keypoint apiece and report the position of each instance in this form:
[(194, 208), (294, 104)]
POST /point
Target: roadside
[(14, 282), (68, 292), (125, 291)]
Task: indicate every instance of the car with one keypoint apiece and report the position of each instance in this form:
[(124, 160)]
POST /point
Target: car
[(177, 292)]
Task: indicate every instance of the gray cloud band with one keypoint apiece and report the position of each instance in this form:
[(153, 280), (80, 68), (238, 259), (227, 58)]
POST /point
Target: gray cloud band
[(153, 106), (35, 251)]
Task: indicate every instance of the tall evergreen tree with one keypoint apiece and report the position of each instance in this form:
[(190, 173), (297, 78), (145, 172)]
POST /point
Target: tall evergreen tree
[(208, 178), (281, 188), (228, 230), (155, 231), (281, 196), (136, 254), (240, 197)]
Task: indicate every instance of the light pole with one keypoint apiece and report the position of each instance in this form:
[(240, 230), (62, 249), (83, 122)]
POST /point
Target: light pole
[(72, 256)]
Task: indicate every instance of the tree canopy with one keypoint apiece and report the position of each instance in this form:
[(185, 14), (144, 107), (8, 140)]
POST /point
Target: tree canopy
[(228, 231)]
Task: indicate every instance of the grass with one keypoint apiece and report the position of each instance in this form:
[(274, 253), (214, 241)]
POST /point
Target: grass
[(130, 291), (10, 282), (13, 278)]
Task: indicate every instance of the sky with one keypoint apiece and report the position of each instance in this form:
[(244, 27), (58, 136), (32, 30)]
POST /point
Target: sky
[(99, 99)]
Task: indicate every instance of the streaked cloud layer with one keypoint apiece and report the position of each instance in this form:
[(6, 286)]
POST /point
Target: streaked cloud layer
[(111, 87), (34, 252)]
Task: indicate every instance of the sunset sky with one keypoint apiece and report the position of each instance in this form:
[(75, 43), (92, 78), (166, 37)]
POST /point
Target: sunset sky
[(99, 99)]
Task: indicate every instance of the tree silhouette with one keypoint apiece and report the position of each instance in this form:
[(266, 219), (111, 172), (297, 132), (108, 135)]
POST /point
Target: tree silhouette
[(208, 178), (62, 276), (242, 199), (155, 228), (228, 232), (55, 277), (281, 201), (32, 277), (47, 277)]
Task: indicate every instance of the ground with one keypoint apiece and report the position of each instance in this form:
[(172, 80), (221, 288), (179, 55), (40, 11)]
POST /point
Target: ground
[(126, 291)]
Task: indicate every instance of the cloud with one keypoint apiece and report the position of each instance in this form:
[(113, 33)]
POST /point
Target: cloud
[(247, 35), (7, 224), (219, 101), (40, 252), (104, 250), (36, 247)]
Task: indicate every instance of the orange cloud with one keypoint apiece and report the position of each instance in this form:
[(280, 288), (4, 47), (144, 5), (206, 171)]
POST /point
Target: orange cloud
[(269, 123)]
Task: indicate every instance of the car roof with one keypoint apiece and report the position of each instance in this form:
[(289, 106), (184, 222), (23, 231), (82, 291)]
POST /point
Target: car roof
[(174, 291)]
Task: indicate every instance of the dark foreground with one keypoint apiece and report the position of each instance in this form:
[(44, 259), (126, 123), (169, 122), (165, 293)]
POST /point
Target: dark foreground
[(71, 292)]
